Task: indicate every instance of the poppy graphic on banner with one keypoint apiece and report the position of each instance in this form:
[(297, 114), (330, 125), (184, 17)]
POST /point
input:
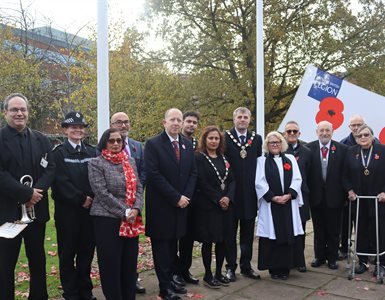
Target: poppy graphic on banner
[(330, 109)]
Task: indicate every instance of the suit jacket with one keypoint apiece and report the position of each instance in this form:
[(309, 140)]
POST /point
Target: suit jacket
[(332, 190), (167, 180), (245, 200), (12, 192), (374, 183), (137, 153), (303, 157), (109, 186)]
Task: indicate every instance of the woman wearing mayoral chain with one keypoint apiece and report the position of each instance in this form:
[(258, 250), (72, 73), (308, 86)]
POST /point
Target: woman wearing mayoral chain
[(213, 203), (364, 176)]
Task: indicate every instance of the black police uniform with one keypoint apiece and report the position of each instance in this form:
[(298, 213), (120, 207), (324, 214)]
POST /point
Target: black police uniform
[(73, 223)]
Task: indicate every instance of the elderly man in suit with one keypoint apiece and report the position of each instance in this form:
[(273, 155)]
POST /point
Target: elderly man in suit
[(134, 149), (302, 155), (327, 195), (23, 151), (171, 177), (242, 149)]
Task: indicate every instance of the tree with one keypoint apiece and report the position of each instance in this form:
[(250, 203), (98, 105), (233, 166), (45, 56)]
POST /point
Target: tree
[(217, 37)]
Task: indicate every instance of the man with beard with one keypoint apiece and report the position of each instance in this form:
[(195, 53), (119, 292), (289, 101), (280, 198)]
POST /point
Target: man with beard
[(327, 195)]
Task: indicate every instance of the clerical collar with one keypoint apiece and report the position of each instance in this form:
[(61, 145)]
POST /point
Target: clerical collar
[(73, 144)]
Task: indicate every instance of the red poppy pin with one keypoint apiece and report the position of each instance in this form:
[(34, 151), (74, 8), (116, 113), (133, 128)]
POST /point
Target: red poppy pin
[(287, 166), (133, 149), (249, 141), (227, 165), (333, 148), (376, 156)]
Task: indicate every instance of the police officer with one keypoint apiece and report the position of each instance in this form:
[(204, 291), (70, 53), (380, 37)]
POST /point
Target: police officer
[(73, 197)]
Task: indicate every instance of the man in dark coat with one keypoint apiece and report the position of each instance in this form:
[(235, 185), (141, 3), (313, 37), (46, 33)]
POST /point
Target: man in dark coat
[(134, 149), (242, 149), (23, 151), (186, 243), (73, 197), (327, 195), (302, 154), (171, 177)]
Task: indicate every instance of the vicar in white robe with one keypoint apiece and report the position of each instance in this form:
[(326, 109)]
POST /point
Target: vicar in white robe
[(278, 186)]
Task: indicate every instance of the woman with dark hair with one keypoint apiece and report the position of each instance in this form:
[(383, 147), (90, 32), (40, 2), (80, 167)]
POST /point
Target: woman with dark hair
[(278, 186), (212, 203), (364, 176), (116, 216)]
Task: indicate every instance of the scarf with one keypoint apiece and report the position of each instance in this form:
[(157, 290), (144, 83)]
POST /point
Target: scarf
[(126, 229)]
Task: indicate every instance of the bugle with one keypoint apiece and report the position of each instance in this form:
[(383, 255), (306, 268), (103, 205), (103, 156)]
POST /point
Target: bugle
[(27, 213)]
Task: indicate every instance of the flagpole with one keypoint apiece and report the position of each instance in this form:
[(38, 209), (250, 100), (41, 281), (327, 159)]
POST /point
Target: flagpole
[(260, 92), (103, 101)]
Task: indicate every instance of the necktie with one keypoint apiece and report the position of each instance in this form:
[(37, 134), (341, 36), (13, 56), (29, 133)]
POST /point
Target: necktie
[(77, 148), (242, 137), (176, 149), (324, 163), (324, 151)]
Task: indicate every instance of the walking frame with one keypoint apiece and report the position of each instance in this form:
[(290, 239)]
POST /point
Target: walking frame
[(353, 253)]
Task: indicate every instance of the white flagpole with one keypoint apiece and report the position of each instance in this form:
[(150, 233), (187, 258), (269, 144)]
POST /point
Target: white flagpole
[(260, 92), (103, 101)]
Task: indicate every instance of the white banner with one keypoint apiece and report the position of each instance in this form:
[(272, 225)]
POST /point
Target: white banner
[(323, 96)]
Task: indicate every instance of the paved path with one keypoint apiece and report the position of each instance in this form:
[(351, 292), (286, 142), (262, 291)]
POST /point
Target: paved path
[(316, 283)]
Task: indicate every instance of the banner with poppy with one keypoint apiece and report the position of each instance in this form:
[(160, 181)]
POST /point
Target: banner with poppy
[(322, 96)]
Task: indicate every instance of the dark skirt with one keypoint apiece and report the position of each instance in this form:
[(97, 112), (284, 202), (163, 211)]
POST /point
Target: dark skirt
[(273, 256)]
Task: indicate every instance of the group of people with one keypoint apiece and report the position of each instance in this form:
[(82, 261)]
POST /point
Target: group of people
[(204, 191)]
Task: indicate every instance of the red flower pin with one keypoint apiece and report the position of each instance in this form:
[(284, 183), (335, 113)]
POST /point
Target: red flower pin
[(227, 165), (249, 141), (287, 166), (376, 156), (333, 148)]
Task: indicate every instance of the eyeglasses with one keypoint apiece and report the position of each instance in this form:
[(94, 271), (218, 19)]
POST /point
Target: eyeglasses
[(290, 131), (15, 110), (113, 141), (274, 143), (120, 122), (360, 136)]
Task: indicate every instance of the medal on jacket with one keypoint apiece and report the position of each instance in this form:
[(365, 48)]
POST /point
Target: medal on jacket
[(366, 160), (249, 142), (222, 180)]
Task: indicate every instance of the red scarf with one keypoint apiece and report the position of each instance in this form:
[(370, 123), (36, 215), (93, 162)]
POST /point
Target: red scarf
[(126, 229)]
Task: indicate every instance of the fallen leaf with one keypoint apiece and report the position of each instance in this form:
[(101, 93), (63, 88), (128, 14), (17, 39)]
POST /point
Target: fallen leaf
[(322, 293), (48, 238), (52, 253), (357, 279), (54, 245)]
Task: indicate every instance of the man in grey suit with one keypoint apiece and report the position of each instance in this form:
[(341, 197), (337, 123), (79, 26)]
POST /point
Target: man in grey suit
[(134, 149)]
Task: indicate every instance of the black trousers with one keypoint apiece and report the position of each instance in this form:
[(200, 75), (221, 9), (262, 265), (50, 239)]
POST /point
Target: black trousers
[(207, 258), (33, 237), (117, 259), (164, 255), (327, 225), (246, 238), (345, 227), (186, 245), (76, 246)]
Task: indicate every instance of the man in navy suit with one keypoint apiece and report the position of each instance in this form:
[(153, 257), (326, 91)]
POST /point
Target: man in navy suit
[(327, 195), (134, 149), (23, 151), (171, 176)]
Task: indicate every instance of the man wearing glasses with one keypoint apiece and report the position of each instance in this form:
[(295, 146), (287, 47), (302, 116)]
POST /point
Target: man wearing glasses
[(23, 151), (302, 154), (134, 149)]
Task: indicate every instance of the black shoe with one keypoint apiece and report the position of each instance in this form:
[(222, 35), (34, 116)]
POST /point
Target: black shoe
[(230, 274), (178, 280), (283, 276), (211, 283), (317, 262), (382, 271), (302, 269), (178, 289), (274, 276), (251, 274), (190, 279), (342, 255), (139, 288), (332, 265), (168, 295), (223, 280), (361, 268)]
